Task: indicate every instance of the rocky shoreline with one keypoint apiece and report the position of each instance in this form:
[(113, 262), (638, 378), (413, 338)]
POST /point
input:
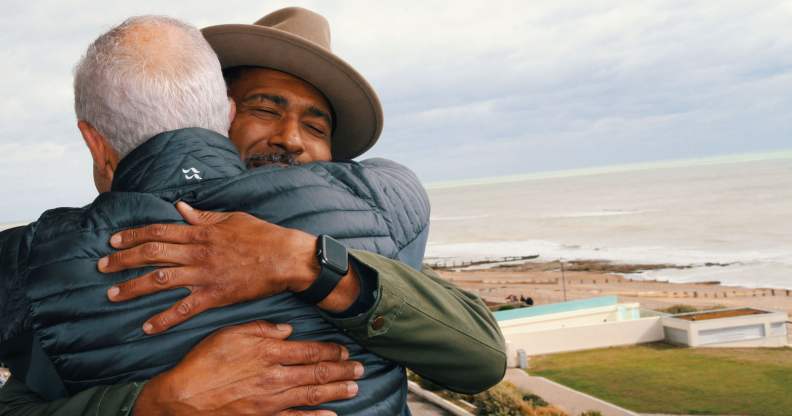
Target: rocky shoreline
[(496, 280)]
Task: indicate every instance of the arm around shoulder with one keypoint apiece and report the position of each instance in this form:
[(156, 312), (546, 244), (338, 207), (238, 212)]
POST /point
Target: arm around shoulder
[(428, 325)]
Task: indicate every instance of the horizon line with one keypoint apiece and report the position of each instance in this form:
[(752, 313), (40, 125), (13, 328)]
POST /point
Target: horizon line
[(617, 168), (586, 171)]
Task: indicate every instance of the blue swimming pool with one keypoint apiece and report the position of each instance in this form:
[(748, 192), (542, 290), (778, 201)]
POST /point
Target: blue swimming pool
[(569, 306)]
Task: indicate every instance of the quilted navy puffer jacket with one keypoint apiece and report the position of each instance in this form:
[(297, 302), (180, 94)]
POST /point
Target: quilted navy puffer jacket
[(51, 288)]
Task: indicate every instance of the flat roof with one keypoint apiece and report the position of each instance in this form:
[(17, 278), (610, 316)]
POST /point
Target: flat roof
[(569, 306), (727, 313)]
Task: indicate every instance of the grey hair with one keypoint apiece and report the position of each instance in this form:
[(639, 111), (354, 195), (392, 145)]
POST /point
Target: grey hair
[(133, 83)]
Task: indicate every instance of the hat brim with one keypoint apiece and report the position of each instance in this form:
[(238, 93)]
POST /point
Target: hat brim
[(357, 109)]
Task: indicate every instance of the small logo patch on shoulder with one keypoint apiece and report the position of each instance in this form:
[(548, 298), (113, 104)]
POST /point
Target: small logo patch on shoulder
[(192, 173)]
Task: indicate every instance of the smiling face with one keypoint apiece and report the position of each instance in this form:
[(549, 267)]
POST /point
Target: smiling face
[(279, 119)]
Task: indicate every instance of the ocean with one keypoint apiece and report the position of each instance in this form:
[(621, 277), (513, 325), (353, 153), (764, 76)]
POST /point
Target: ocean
[(4, 226), (734, 211)]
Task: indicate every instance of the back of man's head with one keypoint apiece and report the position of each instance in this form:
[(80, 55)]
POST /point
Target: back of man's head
[(148, 75)]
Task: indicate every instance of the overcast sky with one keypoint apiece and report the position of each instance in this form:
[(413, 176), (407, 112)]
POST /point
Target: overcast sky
[(469, 89)]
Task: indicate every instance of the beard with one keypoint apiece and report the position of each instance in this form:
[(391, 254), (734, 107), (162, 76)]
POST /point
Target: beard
[(280, 159)]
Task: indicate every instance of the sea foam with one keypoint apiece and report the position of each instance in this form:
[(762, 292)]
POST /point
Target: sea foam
[(734, 210)]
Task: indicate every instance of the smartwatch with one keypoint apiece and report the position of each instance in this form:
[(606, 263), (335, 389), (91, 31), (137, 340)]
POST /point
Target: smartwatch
[(333, 265)]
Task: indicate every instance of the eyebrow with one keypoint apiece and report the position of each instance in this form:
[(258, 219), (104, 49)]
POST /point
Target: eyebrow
[(282, 101), (276, 99)]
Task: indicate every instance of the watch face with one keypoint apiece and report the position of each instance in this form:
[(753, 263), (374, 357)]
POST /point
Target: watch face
[(335, 255)]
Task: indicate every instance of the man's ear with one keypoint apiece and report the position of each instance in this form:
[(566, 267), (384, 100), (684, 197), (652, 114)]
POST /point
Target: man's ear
[(231, 110), (105, 158)]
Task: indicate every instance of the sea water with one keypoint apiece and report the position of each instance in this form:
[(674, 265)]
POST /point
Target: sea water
[(734, 210), (4, 226)]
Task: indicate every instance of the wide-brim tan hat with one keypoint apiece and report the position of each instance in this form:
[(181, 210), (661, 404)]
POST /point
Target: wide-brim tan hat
[(297, 41)]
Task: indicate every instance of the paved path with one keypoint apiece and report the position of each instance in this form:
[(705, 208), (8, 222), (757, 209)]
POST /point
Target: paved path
[(566, 399), (420, 407)]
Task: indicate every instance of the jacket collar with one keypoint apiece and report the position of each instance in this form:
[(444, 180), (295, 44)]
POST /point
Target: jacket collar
[(177, 159)]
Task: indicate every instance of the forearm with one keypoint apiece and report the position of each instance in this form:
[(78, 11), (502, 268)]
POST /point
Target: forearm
[(16, 399), (430, 326)]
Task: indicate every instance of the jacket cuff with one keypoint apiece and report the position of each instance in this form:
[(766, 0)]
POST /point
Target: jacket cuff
[(127, 402), (387, 306), (369, 289)]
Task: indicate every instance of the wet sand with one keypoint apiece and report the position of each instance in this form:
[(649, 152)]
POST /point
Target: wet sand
[(543, 282)]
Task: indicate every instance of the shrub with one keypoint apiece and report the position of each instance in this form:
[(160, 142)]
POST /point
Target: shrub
[(535, 400), (506, 400), (501, 400), (675, 309)]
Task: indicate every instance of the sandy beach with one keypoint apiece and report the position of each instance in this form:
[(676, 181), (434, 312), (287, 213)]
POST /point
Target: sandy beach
[(725, 222), (543, 282)]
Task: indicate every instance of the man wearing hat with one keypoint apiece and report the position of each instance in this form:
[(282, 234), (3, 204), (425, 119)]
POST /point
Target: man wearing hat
[(337, 102)]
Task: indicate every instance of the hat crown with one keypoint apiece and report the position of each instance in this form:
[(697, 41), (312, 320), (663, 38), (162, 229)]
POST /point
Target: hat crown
[(297, 41), (299, 22)]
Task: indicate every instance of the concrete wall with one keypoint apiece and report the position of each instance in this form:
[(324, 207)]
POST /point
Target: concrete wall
[(585, 337), (764, 330), (591, 316), (626, 324)]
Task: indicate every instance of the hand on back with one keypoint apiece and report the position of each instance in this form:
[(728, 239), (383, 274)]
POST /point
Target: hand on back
[(222, 258), (251, 369)]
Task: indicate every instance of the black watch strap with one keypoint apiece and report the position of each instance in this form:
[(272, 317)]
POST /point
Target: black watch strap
[(334, 264)]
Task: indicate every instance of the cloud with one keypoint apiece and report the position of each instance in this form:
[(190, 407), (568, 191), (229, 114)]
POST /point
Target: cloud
[(470, 90), (627, 81)]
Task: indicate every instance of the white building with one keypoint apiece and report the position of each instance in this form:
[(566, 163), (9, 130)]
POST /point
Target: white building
[(603, 322), (734, 327), (577, 325)]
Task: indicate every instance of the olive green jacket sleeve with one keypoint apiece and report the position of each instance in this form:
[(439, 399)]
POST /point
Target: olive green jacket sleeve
[(429, 325), (16, 399), (417, 319)]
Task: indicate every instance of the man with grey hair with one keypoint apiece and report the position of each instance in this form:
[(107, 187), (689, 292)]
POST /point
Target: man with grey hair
[(129, 71), (48, 259)]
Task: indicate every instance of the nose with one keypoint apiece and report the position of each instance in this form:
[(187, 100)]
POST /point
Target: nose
[(289, 138)]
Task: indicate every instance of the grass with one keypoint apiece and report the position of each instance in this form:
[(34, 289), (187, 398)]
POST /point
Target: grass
[(658, 378)]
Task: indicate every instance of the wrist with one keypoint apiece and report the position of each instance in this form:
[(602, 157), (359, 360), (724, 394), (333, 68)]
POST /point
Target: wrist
[(309, 268), (306, 265), (344, 295)]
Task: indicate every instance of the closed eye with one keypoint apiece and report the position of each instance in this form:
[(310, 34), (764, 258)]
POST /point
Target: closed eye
[(265, 110), (316, 130)]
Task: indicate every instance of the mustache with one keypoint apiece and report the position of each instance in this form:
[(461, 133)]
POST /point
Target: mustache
[(259, 160)]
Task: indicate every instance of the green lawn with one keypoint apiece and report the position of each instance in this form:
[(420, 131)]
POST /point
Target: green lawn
[(658, 378)]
